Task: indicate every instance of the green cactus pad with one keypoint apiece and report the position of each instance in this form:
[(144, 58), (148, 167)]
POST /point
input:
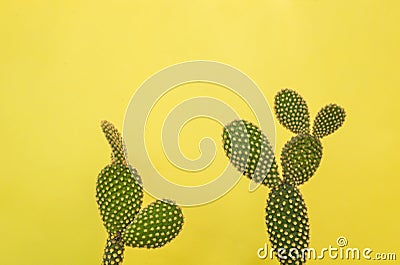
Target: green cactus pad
[(291, 111), (154, 226), (287, 224), (114, 251), (119, 196), (250, 143), (300, 158), (114, 138), (328, 120)]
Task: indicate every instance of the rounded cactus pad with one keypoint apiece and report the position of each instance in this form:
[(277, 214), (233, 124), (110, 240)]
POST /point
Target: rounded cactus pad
[(249, 150), (154, 226), (114, 251), (119, 196), (292, 112), (114, 139), (300, 158), (287, 224), (328, 120)]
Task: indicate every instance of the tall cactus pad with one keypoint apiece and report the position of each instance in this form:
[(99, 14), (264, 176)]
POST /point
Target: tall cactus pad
[(300, 158), (114, 138), (155, 225), (287, 224), (250, 152), (328, 120), (119, 196), (291, 111), (114, 251)]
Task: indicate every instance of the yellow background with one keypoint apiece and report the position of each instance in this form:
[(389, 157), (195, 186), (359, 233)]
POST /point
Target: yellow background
[(66, 65)]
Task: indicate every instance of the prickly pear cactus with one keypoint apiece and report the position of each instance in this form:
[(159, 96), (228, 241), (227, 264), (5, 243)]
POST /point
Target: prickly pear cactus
[(250, 152), (300, 158), (154, 226), (248, 149), (287, 223), (291, 111), (119, 196), (328, 120)]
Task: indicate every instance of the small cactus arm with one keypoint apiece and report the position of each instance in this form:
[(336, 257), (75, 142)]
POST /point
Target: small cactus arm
[(286, 213), (115, 141), (119, 196)]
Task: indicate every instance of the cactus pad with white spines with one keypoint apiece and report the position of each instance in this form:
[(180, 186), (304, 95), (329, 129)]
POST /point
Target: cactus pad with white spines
[(250, 152), (287, 223), (119, 196), (300, 158), (114, 251), (155, 225), (291, 111), (328, 120)]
